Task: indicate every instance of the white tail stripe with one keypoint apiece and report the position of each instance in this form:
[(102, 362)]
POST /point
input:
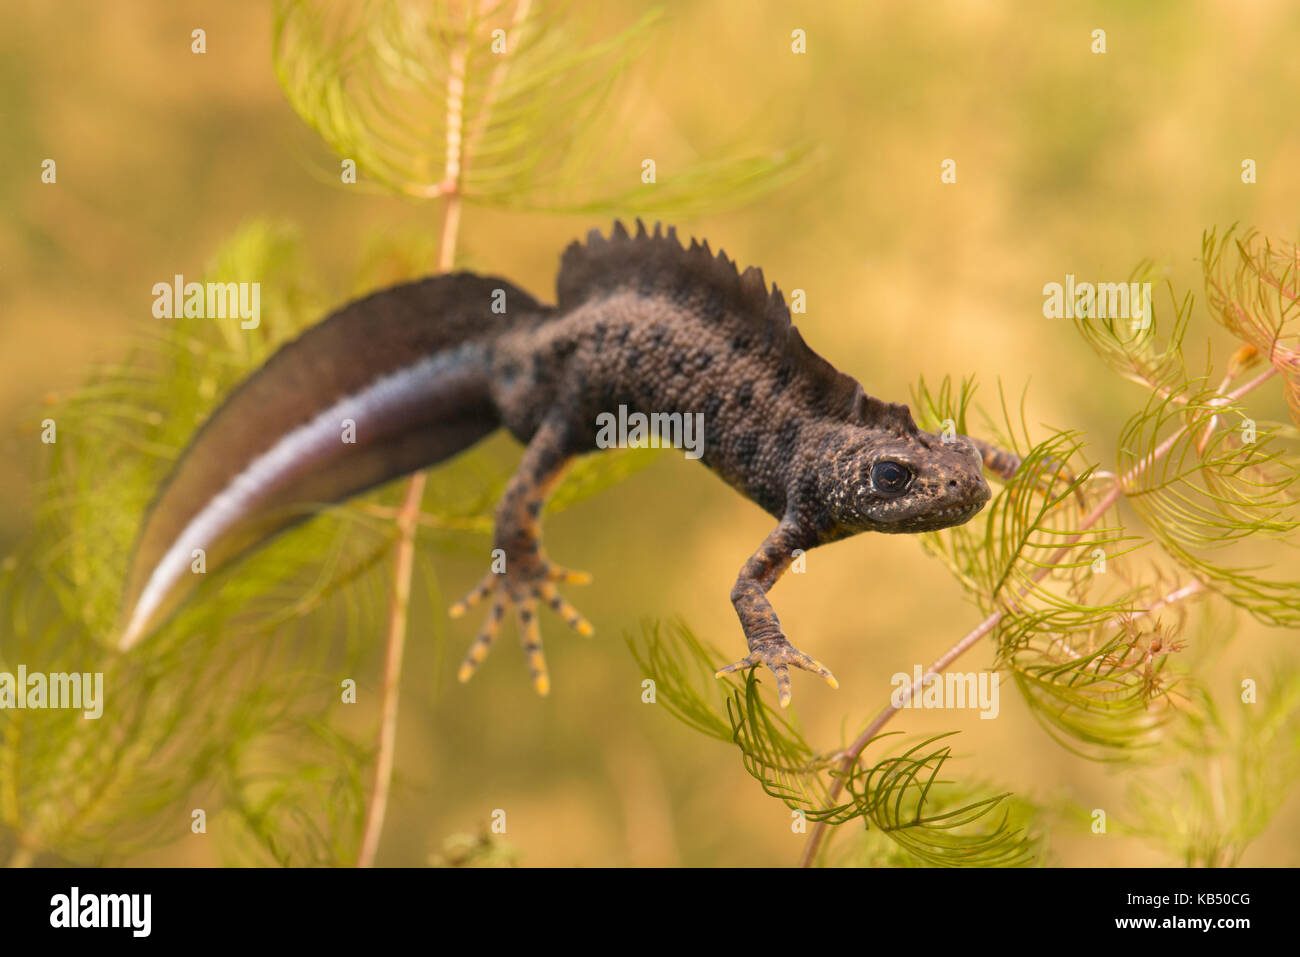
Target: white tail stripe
[(313, 442)]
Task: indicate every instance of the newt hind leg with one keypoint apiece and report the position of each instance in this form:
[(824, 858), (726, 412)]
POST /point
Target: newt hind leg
[(521, 575)]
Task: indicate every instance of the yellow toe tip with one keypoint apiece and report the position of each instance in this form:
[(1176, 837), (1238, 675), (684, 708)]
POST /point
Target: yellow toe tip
[(456, 610), (830, 680), (543, 686), (466, 672), (586, 630)]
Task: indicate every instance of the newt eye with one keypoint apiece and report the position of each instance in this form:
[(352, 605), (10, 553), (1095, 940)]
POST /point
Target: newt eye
[(890, 477)]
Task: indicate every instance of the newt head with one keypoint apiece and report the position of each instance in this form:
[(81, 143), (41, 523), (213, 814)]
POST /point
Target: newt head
[(892, 477)]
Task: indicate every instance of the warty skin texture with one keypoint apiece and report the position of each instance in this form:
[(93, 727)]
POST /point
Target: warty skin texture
[(642, 322)]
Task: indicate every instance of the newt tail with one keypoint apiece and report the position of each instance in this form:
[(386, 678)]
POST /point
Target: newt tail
[(426, 369), (403, 373)]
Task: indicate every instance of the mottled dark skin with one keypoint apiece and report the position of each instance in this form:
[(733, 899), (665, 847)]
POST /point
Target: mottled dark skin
[(425, 369), (646, 323)]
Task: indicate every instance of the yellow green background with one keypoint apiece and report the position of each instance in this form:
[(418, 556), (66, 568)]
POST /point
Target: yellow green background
[(1067, 162)]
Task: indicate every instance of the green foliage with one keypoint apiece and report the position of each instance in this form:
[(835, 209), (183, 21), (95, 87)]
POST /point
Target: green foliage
[(417, 96), (1062, 633), (931, 818), (681, 667), (932, 821), (155, 747), (1091, 642), (1234, 766), (1212, 490), (236, 706), (874, 847), (1135, 350), (1254, 295), (775, 753)]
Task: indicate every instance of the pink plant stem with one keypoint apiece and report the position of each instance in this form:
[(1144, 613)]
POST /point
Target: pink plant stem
[(409, 515)]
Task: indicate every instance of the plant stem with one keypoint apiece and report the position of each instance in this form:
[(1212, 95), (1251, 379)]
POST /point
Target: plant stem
[(408, 519), (409, 515), (430, 521), (398, 605), (854, 752)]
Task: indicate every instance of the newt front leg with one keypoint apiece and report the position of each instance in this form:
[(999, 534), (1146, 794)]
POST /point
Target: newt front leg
[(768, 645), (527, 577)]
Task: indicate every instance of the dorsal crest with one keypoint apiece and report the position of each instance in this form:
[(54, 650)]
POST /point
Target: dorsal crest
[(880, 414), (656, 262)]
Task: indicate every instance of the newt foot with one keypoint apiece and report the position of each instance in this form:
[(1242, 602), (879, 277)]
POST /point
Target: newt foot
[(779, 655), (524, 595)]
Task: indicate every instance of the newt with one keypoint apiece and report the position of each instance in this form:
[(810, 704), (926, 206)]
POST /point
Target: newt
[(426, 369)]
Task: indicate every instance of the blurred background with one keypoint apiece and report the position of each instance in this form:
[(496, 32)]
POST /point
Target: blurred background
[(1067, 162)]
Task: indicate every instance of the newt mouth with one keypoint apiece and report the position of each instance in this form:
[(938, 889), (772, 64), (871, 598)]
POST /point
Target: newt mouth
[(943, 518), (960, 513)]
